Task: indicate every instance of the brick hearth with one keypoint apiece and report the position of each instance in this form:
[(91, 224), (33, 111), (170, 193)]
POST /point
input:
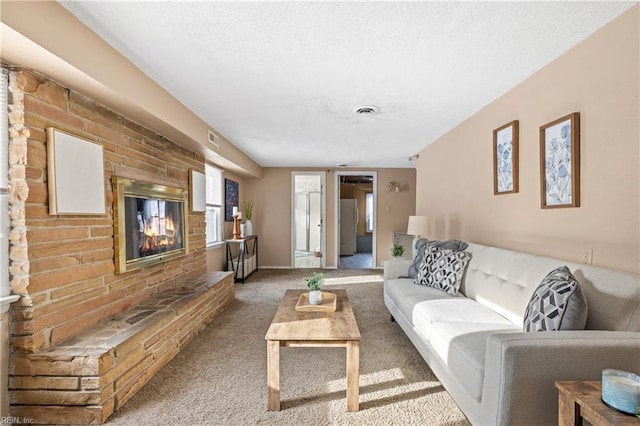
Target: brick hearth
[(87, 378)]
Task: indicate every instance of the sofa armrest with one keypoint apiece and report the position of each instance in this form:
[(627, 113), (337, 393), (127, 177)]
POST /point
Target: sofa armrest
[(395, 268), (521, 370)]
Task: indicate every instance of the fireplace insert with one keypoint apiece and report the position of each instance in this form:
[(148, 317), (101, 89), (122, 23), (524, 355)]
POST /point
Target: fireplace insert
[(150, 223)]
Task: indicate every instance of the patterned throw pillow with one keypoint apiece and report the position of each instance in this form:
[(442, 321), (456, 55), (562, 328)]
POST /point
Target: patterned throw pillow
[(421, 246), (443, 269), (556, 304)]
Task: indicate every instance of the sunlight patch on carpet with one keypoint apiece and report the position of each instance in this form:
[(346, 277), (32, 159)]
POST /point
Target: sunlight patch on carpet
[(357, 279), (381, 376), (370, 379)]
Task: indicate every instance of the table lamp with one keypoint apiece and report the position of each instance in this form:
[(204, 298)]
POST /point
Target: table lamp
[(418, 227)]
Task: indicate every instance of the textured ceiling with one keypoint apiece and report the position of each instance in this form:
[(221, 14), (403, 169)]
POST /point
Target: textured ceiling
[(281, 79)]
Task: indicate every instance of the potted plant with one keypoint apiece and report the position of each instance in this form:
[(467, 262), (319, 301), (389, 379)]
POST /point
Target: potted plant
[(314, 284), (247, 207), (397, 250)]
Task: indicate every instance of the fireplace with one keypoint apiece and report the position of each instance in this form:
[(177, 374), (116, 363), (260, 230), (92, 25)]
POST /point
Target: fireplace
[(150, 223)]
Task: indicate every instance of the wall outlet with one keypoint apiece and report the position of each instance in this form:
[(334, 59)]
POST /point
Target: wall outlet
[(587, 256)]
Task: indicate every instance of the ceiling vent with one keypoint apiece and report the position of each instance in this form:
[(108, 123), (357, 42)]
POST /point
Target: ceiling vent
[(214, 140), (366, 110)]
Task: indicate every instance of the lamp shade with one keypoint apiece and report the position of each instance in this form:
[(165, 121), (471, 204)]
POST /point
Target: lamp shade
[(418, 226)]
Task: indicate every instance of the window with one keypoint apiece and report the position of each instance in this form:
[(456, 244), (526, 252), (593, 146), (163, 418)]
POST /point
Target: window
[(369, 211), (213, 200)]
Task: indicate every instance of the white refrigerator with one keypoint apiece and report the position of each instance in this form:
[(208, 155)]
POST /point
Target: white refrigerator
[(348, 224)]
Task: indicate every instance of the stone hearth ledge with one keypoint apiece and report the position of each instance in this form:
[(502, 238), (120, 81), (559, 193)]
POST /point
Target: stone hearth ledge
[(85, 379)]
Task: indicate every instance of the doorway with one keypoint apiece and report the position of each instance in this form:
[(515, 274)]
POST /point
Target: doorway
[(356, 199), (308, 211)]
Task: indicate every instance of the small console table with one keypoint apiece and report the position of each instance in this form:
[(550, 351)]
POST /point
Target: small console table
[(246, 262), (582, 400)]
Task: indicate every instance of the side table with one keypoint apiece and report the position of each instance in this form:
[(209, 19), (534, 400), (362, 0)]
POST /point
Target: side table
[(582, 400), (246, 262)]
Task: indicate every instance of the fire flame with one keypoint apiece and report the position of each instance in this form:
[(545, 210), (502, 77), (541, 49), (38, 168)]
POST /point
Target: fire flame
[(159, 233)]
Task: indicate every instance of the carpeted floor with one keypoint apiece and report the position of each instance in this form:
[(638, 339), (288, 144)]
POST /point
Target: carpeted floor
[(220, 377)]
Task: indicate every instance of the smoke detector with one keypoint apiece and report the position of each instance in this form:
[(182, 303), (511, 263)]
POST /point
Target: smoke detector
[(366, 110)]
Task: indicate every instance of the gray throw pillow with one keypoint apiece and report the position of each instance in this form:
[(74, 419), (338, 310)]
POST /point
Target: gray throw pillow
[(418, 257), (558, 303), (442, 269), (455, 245)]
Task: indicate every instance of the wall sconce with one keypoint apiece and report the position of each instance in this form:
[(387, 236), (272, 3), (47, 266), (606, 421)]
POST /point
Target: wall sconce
[(394, 186)]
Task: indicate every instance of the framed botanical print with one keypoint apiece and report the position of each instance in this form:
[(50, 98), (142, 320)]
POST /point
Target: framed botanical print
[(560, 162), (505, 159)]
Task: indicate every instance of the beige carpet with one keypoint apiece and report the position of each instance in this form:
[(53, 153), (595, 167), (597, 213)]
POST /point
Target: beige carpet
[(220, 378)]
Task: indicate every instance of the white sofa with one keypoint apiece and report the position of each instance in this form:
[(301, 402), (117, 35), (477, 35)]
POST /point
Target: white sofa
[(474, 343)]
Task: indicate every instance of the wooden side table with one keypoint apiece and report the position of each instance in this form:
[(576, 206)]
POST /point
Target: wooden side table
[(582, 400)]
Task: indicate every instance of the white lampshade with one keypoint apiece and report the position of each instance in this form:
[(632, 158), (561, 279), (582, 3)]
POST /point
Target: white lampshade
[(418, 226)]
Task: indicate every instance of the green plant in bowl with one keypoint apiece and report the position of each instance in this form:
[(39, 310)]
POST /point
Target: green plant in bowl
[(397, 250)]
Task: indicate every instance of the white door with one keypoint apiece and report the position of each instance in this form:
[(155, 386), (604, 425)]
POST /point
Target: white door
[(315, 222), (308, 222), (308, 209), (300, 219), (348, 223)]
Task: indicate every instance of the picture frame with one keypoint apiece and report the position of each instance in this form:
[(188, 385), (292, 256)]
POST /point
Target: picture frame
[(506, 158), (75, 175), (230, 198), (560, 162)]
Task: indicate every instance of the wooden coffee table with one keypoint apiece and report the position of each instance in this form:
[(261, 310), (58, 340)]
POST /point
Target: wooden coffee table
[(291, 328)]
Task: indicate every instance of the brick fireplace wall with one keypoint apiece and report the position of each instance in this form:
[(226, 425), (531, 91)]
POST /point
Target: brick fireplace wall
[(63, 266)]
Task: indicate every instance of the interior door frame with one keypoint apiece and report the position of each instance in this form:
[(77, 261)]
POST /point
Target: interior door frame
[(323, 215), (374, 235)]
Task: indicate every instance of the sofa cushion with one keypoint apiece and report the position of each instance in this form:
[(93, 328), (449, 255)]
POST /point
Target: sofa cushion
[(459, 309), (557, 304), (461, 346), (442, 269), (406, 295)]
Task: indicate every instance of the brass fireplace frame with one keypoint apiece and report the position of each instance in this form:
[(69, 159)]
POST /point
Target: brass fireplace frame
[(129, 187)]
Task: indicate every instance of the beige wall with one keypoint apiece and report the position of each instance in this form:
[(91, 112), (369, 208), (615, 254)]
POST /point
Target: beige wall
[(598, 78), (394, 208), (271, 196)]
